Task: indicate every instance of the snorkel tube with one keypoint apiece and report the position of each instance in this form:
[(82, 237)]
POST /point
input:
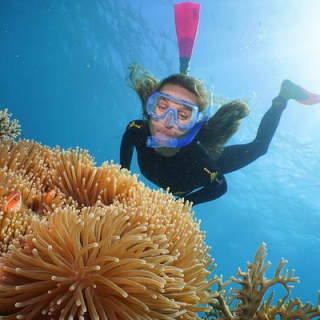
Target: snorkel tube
[(187, 19)]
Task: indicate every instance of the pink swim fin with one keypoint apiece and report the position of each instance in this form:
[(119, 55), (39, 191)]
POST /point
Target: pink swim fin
[(310, 98), (293, 91), (186, 19)]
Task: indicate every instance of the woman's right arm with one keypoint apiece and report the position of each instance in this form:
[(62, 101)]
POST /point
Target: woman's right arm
[(126, 148)]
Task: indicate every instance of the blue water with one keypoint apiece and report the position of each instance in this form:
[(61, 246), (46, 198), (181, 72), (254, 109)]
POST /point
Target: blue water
[(63, 74)]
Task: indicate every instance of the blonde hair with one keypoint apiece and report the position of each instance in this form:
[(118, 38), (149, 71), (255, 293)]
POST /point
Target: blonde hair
[(218, 129), (144, 83), (221, 127)]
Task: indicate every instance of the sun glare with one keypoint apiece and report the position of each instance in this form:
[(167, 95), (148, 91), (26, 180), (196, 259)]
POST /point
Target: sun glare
[(308, 44)]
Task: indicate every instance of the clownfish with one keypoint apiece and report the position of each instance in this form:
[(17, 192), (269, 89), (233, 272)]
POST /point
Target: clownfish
[(49, 196), (12, 202)]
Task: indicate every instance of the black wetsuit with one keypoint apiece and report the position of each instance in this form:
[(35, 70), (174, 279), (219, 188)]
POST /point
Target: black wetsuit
[(191, 173)]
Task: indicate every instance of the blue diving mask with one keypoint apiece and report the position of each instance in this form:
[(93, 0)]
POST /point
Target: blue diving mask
[(173, 111)]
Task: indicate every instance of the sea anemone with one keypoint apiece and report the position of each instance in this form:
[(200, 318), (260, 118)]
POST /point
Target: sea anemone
[(97, 243)]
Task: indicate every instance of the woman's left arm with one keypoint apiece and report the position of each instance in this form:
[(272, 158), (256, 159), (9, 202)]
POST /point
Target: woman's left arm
[(209, 192)]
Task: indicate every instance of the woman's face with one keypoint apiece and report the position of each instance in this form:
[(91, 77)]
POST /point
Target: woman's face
[(165, 128)]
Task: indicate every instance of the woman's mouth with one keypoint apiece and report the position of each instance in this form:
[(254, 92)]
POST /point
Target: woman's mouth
[(162, 135), (161, 132)]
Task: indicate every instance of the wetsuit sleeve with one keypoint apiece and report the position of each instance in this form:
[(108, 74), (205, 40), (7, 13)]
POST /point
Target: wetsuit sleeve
[(126, 148), (209, 192), (235, 157)]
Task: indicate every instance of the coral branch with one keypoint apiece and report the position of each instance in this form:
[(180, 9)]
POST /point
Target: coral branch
[(247, 302), (8, 128)]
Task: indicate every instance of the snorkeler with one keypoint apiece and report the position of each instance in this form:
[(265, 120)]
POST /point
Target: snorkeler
[(181, 147), (180, 144)]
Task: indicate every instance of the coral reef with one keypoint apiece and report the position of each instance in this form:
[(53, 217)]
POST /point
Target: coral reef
[(86, 242), (248, 301), (8, 128)]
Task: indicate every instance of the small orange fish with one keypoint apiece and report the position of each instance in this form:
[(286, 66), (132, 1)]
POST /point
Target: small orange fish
[(12, 202), (48, 197)]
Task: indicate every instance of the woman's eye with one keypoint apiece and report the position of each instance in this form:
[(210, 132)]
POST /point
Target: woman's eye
[(162, 107), (183, 116)]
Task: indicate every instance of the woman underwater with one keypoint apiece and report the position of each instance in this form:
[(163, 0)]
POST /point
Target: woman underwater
[(179, 143)]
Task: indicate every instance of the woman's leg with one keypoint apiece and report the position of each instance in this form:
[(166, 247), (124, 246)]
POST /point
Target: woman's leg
[(238, 156)]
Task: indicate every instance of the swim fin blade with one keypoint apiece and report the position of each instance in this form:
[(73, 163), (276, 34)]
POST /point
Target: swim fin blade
[(186, 20), (310, 98), (290, 90)]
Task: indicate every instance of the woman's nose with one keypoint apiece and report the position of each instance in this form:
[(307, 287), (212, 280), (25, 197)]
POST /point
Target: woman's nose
[(168, 120)]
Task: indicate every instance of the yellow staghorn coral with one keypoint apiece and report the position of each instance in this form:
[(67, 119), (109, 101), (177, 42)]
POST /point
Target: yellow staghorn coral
[(108, 248), (248, 301), (8, 128)]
